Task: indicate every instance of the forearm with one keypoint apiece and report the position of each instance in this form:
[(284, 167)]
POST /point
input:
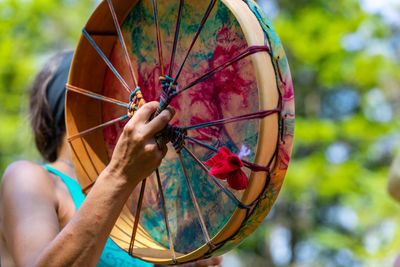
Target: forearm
[(81, 242)]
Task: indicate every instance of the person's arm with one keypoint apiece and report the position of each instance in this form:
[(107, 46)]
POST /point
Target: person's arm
[(30, 222), (394, 179)]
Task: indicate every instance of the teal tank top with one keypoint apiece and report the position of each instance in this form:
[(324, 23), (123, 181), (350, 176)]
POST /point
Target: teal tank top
[(112, 255)]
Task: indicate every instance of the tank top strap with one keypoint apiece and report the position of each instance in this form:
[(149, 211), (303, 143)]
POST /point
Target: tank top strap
[(73, 186)]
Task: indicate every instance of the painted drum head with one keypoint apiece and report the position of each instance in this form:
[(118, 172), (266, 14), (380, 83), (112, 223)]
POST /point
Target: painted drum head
[(225, 72)]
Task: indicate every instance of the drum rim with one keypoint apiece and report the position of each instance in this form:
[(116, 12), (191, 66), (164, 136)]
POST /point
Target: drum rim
[(223, 234)]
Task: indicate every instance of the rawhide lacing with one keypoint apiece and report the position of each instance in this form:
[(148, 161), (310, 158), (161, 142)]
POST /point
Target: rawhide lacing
[(168, 91), (135, 101)]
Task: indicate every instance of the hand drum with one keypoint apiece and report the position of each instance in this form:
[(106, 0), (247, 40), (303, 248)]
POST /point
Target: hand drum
[(221, 65)]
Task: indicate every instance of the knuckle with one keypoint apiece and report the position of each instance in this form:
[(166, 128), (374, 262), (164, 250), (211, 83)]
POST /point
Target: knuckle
[(153, 103), (145, 107), (150, 106), (165, 117), (129, 128), (139, 138), (151, 149)]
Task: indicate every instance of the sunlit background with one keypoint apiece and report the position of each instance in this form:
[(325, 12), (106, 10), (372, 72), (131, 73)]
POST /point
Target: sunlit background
[(334, 209)]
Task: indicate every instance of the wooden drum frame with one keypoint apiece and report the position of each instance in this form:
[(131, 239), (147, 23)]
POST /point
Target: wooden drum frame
[(89, 86)]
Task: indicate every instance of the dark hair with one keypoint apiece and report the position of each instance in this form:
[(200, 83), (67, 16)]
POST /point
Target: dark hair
[(48, 126)]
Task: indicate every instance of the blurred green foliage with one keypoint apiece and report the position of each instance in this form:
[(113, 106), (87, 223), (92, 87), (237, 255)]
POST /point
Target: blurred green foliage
[(334, 209), (30, 32)]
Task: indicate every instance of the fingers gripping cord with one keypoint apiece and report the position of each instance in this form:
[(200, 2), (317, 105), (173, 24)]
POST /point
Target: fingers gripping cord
[(170, 133)]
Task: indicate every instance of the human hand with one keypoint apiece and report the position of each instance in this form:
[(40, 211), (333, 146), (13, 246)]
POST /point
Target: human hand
[(136, 154)]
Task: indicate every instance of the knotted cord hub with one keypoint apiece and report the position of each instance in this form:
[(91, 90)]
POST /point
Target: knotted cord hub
[(176, 135), (168, 91), (136, 100)]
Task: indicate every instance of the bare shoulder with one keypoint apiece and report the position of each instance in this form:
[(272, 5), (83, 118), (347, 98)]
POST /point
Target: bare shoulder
[(28, 211), (26, 176), (27, 190)]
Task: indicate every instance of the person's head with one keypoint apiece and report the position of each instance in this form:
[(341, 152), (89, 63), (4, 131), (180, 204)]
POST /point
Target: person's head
[(46, 105)]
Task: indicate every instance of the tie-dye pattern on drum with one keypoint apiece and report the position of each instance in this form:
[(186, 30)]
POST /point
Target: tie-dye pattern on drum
[(231, 92), (285, 86)]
